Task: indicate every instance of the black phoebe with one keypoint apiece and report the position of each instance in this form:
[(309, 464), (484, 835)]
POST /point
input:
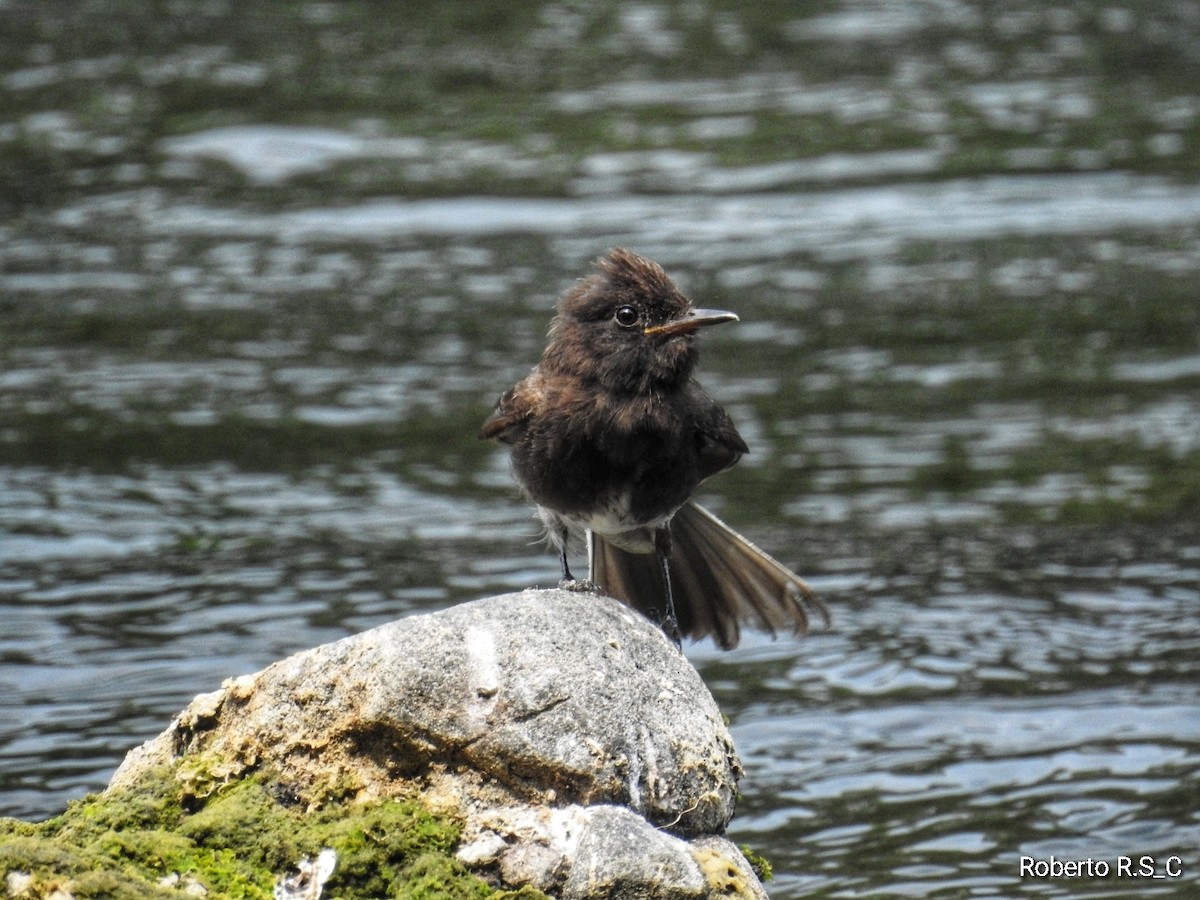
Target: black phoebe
[(610, 435)]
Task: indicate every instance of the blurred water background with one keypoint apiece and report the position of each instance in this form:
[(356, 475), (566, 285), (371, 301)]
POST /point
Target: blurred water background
[(265, 267)]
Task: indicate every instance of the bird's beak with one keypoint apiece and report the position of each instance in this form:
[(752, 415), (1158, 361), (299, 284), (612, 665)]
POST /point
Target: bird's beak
[(696, 318)]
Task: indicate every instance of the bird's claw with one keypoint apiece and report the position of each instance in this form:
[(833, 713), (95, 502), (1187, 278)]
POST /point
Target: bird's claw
[(581, 586), (670, 627)]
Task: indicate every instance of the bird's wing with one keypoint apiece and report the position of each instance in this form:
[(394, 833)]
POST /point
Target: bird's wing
[(514, 408), (718, 443)]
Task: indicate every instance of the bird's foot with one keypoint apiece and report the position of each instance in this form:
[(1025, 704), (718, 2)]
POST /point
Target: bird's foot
[(581, 586), (670, 627)]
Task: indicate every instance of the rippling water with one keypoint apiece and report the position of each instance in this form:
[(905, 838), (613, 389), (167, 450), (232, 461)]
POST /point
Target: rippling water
[(245, 350), (948, 734)]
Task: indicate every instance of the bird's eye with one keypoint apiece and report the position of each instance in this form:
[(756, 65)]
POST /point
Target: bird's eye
[(626, 316)]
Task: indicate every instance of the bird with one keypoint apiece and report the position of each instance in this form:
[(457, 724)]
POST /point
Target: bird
[(610, 435)]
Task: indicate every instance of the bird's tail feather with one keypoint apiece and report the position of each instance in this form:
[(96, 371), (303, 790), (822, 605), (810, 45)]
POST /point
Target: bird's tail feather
[(718, 578)]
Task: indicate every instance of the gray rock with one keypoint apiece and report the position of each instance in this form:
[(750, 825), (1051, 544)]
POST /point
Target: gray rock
[(579, 745), (578, 853)]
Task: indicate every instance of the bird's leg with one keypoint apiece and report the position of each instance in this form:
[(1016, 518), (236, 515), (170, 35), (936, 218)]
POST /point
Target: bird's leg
[(569, 582), (662, 549), (562, 555)]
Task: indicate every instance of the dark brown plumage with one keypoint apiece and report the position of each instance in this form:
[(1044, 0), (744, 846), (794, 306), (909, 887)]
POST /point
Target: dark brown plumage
[(610, 436)]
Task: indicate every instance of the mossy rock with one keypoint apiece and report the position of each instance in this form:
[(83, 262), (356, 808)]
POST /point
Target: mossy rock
[(159, 840)]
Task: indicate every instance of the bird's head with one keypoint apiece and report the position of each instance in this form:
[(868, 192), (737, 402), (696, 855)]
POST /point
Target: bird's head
[(628, 327)]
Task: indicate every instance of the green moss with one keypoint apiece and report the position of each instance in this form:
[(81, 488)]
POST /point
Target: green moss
[(245, 816), (760, 864), (389, 845), (236, 842), (437, 876)]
